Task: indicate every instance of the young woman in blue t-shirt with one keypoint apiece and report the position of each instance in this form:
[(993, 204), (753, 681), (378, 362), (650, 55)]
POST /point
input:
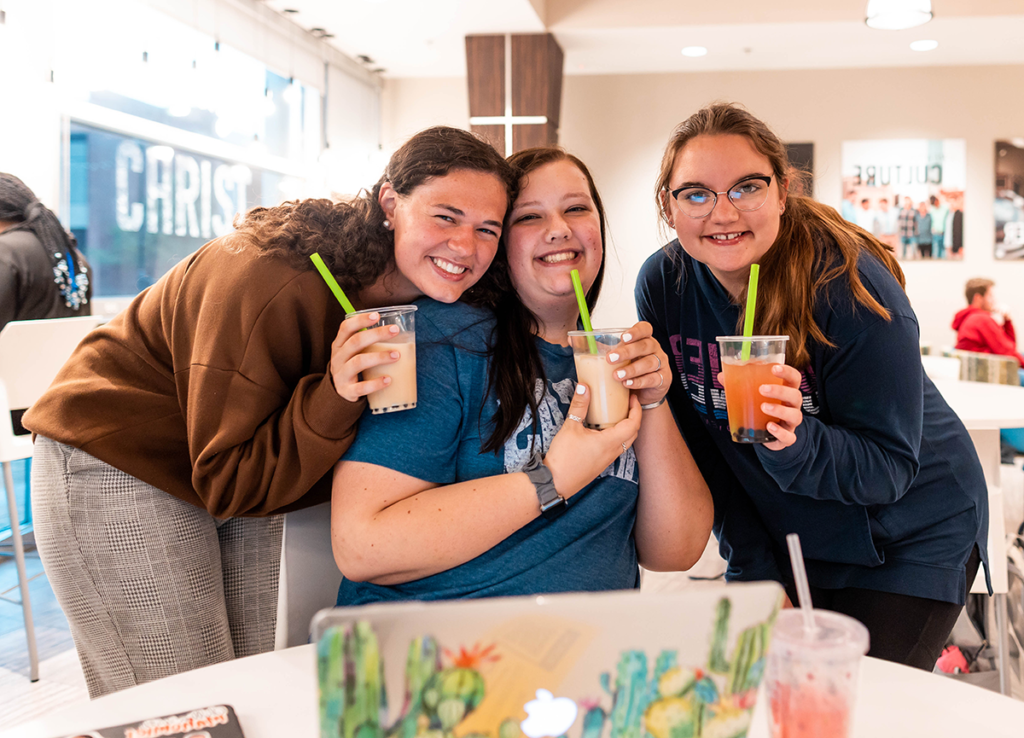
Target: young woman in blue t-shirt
[(444, 501), (880, 479)]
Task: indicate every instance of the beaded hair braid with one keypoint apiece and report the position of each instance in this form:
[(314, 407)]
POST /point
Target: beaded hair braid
[(70, 272)]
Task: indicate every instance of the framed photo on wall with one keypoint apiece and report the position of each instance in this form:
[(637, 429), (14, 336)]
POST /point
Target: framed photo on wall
[(801, 158), (909, 193), (1009, 201)]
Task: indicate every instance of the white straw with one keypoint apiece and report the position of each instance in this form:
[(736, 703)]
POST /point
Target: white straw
[(803, 590)]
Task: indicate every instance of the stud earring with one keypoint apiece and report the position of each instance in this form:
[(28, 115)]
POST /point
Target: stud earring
[(387, 224)]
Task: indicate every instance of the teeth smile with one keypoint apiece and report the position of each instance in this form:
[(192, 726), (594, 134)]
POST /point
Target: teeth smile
[(725, 236), (447, 266), (560, 256)]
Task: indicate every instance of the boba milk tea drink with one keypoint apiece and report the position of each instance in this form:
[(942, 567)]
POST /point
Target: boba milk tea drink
[(609, 397), (401, 393), (747, 363)]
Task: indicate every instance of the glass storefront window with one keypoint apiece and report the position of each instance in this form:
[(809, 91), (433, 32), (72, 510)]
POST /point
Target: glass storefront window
[(138, 207), (171, 134)]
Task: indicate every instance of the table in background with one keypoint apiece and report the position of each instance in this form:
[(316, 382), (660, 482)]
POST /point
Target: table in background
[(274, 694), (985, 409)]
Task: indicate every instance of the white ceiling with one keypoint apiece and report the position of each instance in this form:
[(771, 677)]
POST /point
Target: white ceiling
[(424, 38)]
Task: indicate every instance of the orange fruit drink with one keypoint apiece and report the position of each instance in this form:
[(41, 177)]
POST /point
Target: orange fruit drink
[(747, 363)]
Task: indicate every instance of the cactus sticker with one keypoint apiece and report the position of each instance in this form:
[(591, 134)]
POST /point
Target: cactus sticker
[(641, 698)]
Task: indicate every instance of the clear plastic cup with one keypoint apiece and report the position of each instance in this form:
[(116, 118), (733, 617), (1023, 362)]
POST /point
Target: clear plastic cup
[(743, 377), (609, 397), (811, 677), (401, 393)]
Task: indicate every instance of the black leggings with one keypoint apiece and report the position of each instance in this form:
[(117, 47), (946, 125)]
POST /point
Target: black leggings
[(905, 629)]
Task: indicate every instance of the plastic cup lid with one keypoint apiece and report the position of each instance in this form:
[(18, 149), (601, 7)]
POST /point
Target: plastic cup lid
[(835, 634)]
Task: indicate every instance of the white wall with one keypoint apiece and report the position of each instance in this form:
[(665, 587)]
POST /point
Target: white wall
[(619, 126)]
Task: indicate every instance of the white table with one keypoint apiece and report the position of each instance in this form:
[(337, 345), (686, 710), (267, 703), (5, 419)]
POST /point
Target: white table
[(985, 409), (274, 694)]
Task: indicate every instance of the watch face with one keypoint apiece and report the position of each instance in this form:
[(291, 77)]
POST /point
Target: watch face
[(553, 510)]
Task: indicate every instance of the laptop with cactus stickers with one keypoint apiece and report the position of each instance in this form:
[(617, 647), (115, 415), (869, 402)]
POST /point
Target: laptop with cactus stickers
[(602, 665)]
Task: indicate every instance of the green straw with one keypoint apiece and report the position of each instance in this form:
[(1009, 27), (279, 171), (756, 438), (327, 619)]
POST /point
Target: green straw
[(332, 283), (584, 313), (748, 319)]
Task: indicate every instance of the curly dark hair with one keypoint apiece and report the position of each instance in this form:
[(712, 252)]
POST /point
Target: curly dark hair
[(350, 236)]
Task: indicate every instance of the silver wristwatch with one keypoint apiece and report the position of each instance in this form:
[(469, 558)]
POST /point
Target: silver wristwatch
[(552, 504)]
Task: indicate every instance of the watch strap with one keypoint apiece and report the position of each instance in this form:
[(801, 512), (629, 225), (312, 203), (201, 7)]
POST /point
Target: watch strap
[(552, 504)]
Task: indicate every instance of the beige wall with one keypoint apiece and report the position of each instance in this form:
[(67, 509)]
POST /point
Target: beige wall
[(619, 124)]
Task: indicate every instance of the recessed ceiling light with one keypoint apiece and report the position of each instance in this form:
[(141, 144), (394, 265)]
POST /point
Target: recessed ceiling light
[(895, 15), (925, 44), (694, 51)]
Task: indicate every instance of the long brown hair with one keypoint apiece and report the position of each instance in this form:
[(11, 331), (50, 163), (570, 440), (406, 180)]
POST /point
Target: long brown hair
[(350, 236), (515, 363), (815, 244)]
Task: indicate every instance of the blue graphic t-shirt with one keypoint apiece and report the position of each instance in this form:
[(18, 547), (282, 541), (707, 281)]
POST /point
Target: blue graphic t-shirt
[(590, 547)]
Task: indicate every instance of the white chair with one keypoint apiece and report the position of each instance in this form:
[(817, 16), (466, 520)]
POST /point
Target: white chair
[(309, 575), (31, 354), (941, 367)]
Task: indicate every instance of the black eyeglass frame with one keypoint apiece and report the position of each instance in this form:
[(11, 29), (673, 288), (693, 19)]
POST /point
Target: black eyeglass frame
[(766, 179)]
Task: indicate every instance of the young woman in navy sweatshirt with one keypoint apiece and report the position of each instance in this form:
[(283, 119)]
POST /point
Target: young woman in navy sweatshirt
[(880, 478)]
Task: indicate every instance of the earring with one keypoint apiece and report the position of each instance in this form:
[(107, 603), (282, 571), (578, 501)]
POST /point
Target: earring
[(387, 224)]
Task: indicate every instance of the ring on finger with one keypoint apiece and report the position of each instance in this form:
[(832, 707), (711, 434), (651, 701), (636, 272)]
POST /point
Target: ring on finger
[(658, 368), (662, 382), (577, 418), (624, 448)]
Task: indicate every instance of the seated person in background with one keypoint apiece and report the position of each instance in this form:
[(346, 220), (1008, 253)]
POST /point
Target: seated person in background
[(436, 502), (982, 326), (42, 273)]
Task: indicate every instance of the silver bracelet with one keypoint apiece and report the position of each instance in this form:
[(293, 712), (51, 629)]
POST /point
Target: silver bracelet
[(653, 405)]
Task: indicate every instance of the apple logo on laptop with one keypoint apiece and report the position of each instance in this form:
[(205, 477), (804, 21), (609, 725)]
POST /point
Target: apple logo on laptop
[(548, 716)]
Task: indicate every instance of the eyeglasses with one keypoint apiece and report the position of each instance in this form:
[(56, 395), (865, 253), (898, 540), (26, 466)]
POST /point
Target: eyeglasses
[(746, 195)]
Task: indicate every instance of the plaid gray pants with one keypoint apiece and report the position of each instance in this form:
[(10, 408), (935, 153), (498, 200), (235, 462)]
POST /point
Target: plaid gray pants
[(151, 586)]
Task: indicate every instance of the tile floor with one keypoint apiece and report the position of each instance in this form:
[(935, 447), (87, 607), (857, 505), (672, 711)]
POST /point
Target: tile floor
[(61, 682)]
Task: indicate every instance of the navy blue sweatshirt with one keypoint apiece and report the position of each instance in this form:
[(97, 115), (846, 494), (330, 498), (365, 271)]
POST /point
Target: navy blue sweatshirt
[(883, 483)]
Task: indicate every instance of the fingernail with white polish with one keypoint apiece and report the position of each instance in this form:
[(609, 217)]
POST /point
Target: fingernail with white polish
[(629, 382), (581, 389), (621, 373), (613, 357), (627, 337)]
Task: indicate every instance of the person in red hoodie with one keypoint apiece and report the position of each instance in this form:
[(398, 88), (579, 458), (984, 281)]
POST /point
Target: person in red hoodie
[(981, 326)]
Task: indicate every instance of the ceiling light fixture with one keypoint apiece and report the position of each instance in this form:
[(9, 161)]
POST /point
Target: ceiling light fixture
[(694, 51), (895, 15), (925, 44)]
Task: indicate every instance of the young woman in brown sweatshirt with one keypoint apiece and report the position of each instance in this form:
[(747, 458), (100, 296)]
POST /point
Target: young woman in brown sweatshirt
[(223, 395)]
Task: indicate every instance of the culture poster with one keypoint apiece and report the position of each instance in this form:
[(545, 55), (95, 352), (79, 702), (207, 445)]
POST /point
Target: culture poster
[(909, 193), (1009, 202)]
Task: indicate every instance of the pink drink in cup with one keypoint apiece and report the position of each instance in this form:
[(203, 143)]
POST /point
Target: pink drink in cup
[(811, 679), (609, 397), (401, 393)]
